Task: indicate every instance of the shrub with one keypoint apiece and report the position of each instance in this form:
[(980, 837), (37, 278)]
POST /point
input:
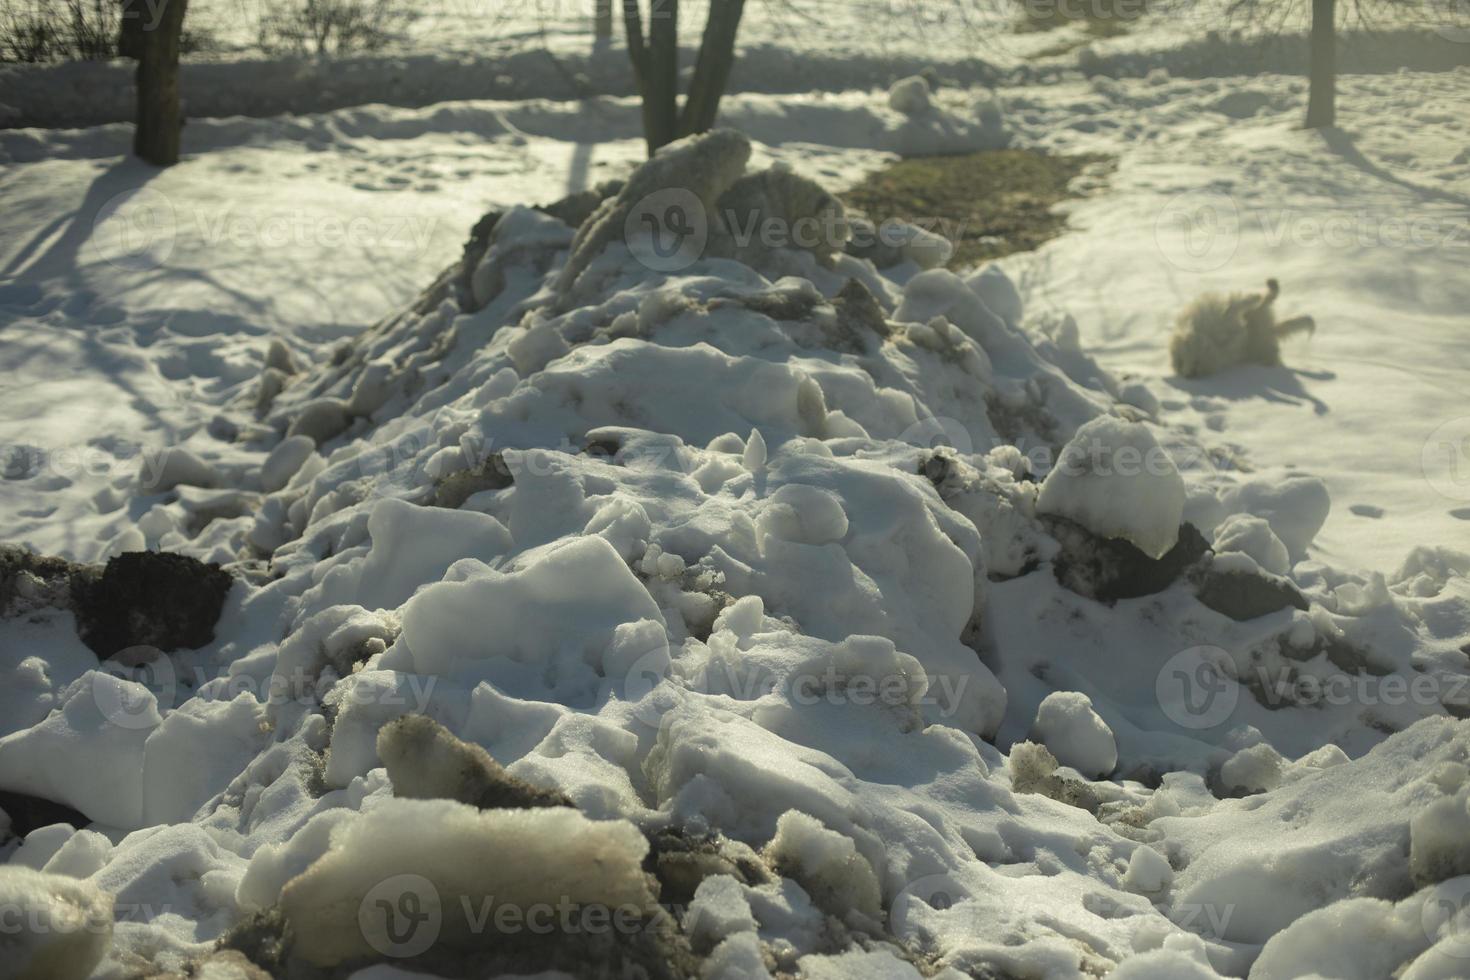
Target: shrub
[(38, 31), (332, 27)]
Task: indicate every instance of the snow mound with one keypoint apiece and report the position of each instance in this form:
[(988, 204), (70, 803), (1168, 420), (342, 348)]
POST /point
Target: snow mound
[(740, 556)]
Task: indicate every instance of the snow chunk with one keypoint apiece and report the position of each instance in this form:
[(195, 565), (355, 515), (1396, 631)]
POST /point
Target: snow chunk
[(1075, 734), (89, 754), (41, 844), (997, 292), (570, 600), (1148, 871), (718, 910), (412, 546), (1253, 536), (57, 928), (449, 857), (1114, 479), (84, 854), (284, 461), (275, 864), (858, 964), (1438, 837), (195, 753), (826, 864), (910, 96), (1253, 770), (737, 958), (173, 467), (1295, 507), (804, 514), (1355, 939)]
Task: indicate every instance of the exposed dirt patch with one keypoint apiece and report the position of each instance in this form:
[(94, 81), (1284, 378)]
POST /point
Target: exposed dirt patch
[(989, 204)]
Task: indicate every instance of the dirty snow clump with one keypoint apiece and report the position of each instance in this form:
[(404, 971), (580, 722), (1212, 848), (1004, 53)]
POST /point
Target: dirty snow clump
[(1437, 840), (827, 864), (57, 927), (509, 857)]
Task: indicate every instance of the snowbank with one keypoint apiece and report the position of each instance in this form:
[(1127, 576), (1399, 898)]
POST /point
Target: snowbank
[(733, 585)]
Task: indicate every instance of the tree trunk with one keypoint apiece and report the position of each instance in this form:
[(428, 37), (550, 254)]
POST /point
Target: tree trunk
[(1322, 101), (130, 29), (712, 70), (602, 20), (661, 99), (156, 138)]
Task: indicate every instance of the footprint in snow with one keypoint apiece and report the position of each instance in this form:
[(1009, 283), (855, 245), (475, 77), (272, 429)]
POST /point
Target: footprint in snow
[(1462, 513), (1366, 510)]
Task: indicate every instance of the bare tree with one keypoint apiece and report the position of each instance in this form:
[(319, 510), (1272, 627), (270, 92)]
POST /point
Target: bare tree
[(602, 20), (1446, 18), (156, 138), (656, 67), (1322, 97)]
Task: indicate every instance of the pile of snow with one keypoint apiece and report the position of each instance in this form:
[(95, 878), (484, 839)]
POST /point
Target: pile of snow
[(731, 587)]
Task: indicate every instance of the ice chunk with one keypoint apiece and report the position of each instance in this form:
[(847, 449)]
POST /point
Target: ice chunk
[(1114, 479)]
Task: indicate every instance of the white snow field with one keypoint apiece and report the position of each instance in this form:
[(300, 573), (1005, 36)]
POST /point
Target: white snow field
[(634, 605)]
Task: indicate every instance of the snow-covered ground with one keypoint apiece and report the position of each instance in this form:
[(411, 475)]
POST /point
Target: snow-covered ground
[(697, 570)]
